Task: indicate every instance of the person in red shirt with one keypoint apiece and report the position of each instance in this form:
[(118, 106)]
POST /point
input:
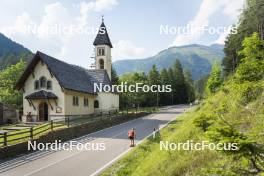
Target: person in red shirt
[(132, 135)]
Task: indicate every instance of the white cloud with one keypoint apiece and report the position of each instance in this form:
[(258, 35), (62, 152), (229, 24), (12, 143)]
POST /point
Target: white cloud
[(84, 9), (100, 5), (55, 14), (72, 47), (19, 25), (97, 6), (232, 9), (125, 49), (222, 37), (206, 10)]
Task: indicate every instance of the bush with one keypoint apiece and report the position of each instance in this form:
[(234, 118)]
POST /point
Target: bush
[(204, 121), (252, 66)]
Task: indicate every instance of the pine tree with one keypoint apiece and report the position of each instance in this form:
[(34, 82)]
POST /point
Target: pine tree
[(189, 86), (114, 76), (252, 64), (180, 92), (214, 80), (153, 79), (172, 83), (165, 96), (251, 20), (199, 87)]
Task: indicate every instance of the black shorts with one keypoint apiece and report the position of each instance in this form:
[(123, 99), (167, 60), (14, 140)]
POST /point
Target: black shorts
[(131, 138)]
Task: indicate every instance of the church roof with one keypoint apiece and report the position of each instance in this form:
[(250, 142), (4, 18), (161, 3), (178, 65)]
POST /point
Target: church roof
[(42, 94), (69, 76), (102, 37)]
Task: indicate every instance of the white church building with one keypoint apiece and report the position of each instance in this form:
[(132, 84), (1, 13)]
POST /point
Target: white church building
[(54, 89)]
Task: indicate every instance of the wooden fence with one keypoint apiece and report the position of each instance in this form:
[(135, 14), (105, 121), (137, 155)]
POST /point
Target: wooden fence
[(8, 138)]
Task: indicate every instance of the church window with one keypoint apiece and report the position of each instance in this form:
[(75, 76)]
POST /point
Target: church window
[(43, 82), (96, 104), (75, 101), (85, 102), (49, 85), (101, 52), (101, 64), (36, 85)]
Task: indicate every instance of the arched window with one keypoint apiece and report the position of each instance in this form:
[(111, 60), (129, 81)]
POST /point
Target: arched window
[(43, 82), (100, 52), (49, 85), (36, 85), (101, 63), (96, 104)]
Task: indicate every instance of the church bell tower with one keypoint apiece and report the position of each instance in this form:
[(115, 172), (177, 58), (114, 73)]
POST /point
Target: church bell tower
[(103, 45)]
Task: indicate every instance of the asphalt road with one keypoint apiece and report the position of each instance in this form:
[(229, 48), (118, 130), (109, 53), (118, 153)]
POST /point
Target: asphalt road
[(89, 162)]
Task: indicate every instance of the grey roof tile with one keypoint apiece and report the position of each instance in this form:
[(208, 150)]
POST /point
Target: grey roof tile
[(102, 37), (42, 94), (69, 76)]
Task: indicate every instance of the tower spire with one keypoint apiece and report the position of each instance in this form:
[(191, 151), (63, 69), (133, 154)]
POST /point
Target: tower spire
[(103, 45), (102, 37)]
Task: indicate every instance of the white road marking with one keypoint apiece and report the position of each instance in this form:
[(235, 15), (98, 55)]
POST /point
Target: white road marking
[(119, 156), (72, 155)]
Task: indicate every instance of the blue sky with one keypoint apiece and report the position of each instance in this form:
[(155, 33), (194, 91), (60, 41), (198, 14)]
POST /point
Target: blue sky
[(134, 26)]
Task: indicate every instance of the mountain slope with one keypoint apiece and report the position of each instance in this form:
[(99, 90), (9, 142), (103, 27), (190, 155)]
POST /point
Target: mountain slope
[(196, 58), (248, 120), (11, 52)]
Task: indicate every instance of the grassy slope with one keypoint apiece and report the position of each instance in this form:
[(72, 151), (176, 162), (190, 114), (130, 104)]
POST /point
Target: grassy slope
[(238, 104)]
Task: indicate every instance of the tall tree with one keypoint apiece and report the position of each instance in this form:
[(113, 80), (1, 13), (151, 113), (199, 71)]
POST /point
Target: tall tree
[(251, 20), (189, 84), (165, 80), (180, 91), (153, 79), (199, 87), (128, 99), (8, 79), (172, 83), (252, 64), (114, 76), (214, 80)]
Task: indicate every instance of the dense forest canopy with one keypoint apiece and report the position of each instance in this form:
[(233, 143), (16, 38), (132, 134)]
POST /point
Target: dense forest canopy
[(251, 20), (181, 83)]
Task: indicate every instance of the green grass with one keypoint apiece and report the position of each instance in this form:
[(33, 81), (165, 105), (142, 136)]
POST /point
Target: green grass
[(148, 159), (240, 105)]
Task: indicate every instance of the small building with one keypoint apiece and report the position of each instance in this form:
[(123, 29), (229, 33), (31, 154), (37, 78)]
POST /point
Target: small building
[(54, 89), (8, 114)]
